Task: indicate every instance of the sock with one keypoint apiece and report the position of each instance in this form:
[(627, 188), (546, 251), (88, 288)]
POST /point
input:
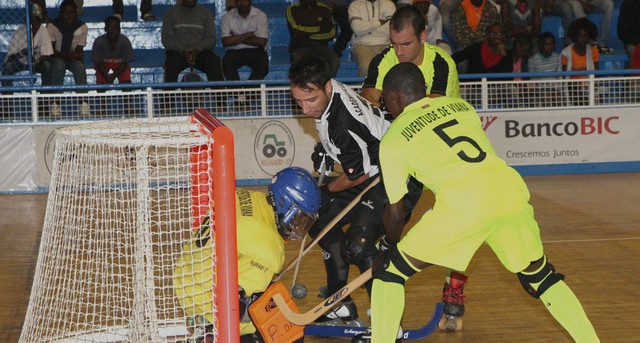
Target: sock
[(387, 306), (566, 309)]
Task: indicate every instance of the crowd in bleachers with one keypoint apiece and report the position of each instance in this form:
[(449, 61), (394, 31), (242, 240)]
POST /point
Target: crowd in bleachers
[(483, 36)]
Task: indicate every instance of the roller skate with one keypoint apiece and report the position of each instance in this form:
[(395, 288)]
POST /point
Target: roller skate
[(453, 299), (200, 330), (343, 314)]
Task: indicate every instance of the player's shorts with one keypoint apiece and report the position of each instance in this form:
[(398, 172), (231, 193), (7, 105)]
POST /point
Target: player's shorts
[(448, 237)]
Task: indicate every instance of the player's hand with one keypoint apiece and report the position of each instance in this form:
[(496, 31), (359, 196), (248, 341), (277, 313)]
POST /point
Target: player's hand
[(319, 157)]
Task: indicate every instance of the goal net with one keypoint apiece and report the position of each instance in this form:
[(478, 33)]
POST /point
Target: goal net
[(119, 259)]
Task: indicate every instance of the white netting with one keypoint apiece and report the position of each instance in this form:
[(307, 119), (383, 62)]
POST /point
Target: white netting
[(124, 200)]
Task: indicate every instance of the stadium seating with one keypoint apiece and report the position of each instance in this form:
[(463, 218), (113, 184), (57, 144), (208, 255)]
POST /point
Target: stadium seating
[(145, 36)]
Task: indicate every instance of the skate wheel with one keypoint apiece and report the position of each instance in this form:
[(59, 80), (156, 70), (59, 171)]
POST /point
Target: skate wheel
[(450, 323)]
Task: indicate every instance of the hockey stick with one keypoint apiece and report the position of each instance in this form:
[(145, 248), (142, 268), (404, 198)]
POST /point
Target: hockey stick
[(313, 314), (304, 240), (350, 331), (327, 228)]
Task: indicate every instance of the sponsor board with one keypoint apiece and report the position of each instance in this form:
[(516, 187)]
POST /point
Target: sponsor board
[(564, 136)]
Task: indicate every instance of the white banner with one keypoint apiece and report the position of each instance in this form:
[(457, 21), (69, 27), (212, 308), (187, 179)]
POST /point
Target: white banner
[(17, 159), (565, 136)]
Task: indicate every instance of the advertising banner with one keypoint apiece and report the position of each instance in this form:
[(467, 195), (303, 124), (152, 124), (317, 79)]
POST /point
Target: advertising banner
[(565, 136)]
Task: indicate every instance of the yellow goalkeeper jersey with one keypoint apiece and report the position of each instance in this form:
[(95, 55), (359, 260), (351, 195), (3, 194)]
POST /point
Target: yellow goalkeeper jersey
[(440, 142), (260, 256)]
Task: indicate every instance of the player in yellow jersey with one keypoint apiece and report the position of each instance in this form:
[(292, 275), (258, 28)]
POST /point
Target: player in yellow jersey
[(479, 199), (409, 44), (264, 222)]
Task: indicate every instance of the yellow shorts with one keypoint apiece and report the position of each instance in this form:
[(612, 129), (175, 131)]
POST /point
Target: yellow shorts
[(448, 237)]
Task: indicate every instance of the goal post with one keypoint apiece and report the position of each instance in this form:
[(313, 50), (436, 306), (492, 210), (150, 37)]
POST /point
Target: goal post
[(120, 258)]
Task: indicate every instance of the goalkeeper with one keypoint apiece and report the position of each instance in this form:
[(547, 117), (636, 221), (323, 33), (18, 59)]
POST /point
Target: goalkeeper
[(264, 222)]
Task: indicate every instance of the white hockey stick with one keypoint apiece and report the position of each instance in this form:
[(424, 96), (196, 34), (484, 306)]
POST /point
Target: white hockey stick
[(313, 314), (327, 228)]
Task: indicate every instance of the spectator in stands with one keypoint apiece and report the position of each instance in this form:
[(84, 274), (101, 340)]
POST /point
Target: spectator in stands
[(447, 8), (340, 11), (520, 17), (471, 20), (370, 23), (189, 35), (488, 56), (547, 59), (629, 26), (433, 20), (112, 53), (311, 27), (522, 50), (68, 37), (604, 29), (17, 57), (43, 5), (244, 35), (145, 10), (580, 55)]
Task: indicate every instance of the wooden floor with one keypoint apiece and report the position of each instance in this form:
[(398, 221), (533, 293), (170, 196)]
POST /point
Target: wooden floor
[(590, 227)]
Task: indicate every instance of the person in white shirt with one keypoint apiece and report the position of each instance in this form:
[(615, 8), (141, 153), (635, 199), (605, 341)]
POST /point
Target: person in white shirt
[(16, 59), (244, 35), (434, 23), (369, 20)]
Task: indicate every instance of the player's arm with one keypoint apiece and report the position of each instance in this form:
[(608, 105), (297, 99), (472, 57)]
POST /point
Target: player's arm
[(342, 183), (393, 220), (372, 84)]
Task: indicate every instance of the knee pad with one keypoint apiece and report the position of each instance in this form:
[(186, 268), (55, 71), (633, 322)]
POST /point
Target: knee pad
[(394, 268), (538, 282), (358, 244)]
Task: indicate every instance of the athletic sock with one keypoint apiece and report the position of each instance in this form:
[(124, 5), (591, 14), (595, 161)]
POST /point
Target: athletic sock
[(566, 309), (387, 305)]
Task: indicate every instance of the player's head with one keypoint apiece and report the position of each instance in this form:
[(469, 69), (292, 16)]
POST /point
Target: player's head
[(407, 34), (310, 79), (403, 85), (296, 200)]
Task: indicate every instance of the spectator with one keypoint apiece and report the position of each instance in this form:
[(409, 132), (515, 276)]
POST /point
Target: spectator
[(471, 20), (629, 26), (244, 35), (489, 56), (522, 48), (43, 6), (17, 57), (581, 55), (112, 52), (145, 10), (520, 16), (341, 18), (370, 23), (68, 37), (311, 27), (433, 20), (604, 32), (189, 35), (547, 59), (447, 8)]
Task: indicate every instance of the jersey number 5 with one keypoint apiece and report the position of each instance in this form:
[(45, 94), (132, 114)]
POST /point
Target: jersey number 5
[(439, 130)]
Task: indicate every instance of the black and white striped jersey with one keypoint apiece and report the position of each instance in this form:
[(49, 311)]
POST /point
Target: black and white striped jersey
[(350, 130)]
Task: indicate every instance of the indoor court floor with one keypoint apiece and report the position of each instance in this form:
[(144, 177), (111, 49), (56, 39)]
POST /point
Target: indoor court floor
[(590, 230)]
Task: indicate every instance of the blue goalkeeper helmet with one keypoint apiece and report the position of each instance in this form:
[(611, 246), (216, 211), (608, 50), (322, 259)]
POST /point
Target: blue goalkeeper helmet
[(296, 199)]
